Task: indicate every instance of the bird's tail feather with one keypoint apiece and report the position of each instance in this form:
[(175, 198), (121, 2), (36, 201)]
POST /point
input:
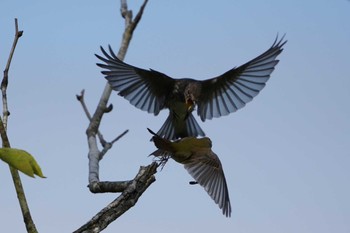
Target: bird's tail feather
[(162, 144), (190, 129), (193, 128), (167, 130)]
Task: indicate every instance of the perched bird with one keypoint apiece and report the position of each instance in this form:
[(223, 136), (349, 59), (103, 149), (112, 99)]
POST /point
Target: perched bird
[(200, 162), (152, 91)]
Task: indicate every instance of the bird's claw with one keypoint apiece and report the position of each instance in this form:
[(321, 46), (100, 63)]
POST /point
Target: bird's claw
[(161, 161)]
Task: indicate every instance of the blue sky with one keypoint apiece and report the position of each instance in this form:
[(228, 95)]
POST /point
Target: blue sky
[(285, 155)]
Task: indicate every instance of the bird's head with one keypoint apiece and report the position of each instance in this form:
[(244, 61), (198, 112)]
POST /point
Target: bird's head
[(190, 100), (192, 91)]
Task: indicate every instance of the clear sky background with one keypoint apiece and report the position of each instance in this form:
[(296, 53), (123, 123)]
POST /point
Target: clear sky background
[(286, 155)]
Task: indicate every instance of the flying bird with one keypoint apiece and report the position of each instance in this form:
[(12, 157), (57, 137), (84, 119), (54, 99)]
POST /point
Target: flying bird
[(200, 162), (152, 91)]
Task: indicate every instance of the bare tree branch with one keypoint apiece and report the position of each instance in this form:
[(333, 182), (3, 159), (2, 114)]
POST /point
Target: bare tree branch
[(110, 144), (123, 203), (4, 82), (112, 187), (30, 226), (130, 26), (106, 145), (139, 15), (81, 99), (95, 155), (130, 190)]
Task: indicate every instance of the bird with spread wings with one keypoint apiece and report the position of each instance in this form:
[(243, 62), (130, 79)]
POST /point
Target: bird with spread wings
[(152, 91)]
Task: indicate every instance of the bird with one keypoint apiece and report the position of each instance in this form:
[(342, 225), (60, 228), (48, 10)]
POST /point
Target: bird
[(153, 91), (200, 162)]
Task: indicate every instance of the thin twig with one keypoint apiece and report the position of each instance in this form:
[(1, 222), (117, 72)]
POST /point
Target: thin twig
[(126, 14), (130, 26), (4, 82), (81, 99), (139, 14), (30, 226), (106, 145), (120, 136), (109, 145)]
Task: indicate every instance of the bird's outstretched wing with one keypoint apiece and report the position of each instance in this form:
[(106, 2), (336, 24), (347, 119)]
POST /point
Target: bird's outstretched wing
[(232, 90), (145, 89), (207, 171)]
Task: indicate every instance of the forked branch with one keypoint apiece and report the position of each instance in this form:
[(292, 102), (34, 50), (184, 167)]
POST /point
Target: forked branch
[(130, 190)]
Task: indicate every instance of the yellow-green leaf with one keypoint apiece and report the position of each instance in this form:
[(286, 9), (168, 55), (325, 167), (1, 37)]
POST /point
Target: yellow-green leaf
[(22, 161)]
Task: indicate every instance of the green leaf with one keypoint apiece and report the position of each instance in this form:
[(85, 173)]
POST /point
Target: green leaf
[(22, 161)]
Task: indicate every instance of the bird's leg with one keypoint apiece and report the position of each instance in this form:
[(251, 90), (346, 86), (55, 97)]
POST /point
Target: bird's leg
[(161, 160)]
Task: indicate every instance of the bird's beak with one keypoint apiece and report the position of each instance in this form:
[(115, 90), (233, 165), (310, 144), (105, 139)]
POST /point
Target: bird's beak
[(190, 104)]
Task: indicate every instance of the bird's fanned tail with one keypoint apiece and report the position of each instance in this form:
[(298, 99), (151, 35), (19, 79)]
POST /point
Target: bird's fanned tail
[(193, 128), (169, 129)]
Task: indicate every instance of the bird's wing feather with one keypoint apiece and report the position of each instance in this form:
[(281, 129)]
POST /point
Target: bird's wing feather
[(207, 171), (232, 90), (145, 89)]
